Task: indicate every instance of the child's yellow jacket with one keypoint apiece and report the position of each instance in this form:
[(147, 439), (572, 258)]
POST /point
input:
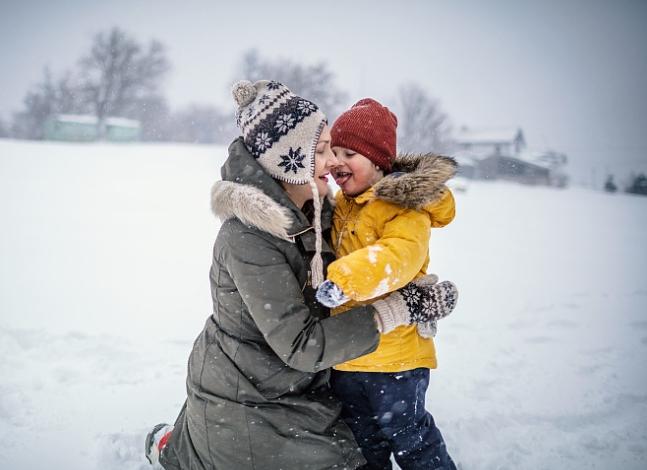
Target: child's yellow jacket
[(381, 239)]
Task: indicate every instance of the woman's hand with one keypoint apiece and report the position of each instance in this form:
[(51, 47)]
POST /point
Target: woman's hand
[(422, 301)]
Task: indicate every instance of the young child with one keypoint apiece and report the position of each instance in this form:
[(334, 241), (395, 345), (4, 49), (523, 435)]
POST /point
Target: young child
[(381, 229)]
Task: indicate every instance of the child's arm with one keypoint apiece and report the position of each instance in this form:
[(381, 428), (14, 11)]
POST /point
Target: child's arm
[(389, 263)]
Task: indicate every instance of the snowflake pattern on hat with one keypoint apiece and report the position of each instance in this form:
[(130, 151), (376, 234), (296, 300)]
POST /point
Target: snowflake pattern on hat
[(263, 141), (264, 99), (306, 107), (292, 161), (284, 123)]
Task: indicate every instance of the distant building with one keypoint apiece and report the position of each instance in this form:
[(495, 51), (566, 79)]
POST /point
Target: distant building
[(505, 141), (85, 128), (503, 154), (554, 162)]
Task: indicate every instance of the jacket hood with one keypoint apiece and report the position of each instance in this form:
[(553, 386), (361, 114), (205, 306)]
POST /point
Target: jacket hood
[(416, 181), (251, 195)]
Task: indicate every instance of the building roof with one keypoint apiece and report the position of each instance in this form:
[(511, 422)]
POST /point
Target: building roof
[(470, 157), (545, 158), (88, 119)]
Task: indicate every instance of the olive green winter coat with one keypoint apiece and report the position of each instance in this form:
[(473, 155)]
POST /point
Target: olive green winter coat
[(257, 385)]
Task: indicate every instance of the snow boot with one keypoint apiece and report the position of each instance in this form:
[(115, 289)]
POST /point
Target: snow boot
[(156, 440)]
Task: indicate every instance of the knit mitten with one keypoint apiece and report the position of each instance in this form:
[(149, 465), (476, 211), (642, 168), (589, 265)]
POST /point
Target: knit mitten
[(427, 301), (330, 295), (428, 329), (418, 302)]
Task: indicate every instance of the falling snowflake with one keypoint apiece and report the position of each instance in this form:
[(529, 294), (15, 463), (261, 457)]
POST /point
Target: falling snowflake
[(292, 161), (305, 107), (263, 141), (284, 122), (274, 85)]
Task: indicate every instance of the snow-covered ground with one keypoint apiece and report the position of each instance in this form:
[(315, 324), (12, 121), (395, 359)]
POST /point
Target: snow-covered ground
[(105, 252)]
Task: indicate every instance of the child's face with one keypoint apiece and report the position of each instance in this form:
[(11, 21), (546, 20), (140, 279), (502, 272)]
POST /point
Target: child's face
[(355, 173)]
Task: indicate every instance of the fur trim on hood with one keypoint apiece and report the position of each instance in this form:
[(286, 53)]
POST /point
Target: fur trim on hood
[(416, 181), (252, 207)]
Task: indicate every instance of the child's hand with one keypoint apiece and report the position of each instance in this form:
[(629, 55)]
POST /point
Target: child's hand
[(428, 301), (421, 301), (330, 295), (427, 329)]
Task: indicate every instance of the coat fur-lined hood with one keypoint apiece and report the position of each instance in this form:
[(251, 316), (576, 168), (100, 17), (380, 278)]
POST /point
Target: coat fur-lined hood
[(416, 180), (249, 194), (252, 207)]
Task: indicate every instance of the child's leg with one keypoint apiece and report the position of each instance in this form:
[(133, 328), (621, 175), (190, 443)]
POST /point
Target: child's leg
[(415, 440), (350, 388)]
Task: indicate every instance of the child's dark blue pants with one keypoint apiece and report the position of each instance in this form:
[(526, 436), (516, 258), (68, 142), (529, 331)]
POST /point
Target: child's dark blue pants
[(386, 412)]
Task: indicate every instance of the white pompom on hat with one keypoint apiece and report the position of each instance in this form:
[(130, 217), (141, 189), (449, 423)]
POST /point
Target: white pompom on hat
[(244, 92)]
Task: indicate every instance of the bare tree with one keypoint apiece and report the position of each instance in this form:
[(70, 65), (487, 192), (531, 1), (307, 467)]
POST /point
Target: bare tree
[(118, 72), (314, 82), (422, 125), (48, 97)]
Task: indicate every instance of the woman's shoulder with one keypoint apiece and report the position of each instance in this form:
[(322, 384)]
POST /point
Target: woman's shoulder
[(237, 233)]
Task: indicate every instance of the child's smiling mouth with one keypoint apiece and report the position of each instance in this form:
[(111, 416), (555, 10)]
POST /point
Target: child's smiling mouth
[(341, 177)]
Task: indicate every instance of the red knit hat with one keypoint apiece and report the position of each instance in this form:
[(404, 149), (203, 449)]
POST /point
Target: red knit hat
[(368, 128)]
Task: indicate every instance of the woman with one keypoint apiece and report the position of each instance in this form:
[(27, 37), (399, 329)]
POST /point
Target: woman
[(258, 394)]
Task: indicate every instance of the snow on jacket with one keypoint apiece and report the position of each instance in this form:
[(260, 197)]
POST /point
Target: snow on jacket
[(257, 385), (381, 239)]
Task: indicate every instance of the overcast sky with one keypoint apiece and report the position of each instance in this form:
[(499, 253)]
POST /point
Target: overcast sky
[(572, 74)]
